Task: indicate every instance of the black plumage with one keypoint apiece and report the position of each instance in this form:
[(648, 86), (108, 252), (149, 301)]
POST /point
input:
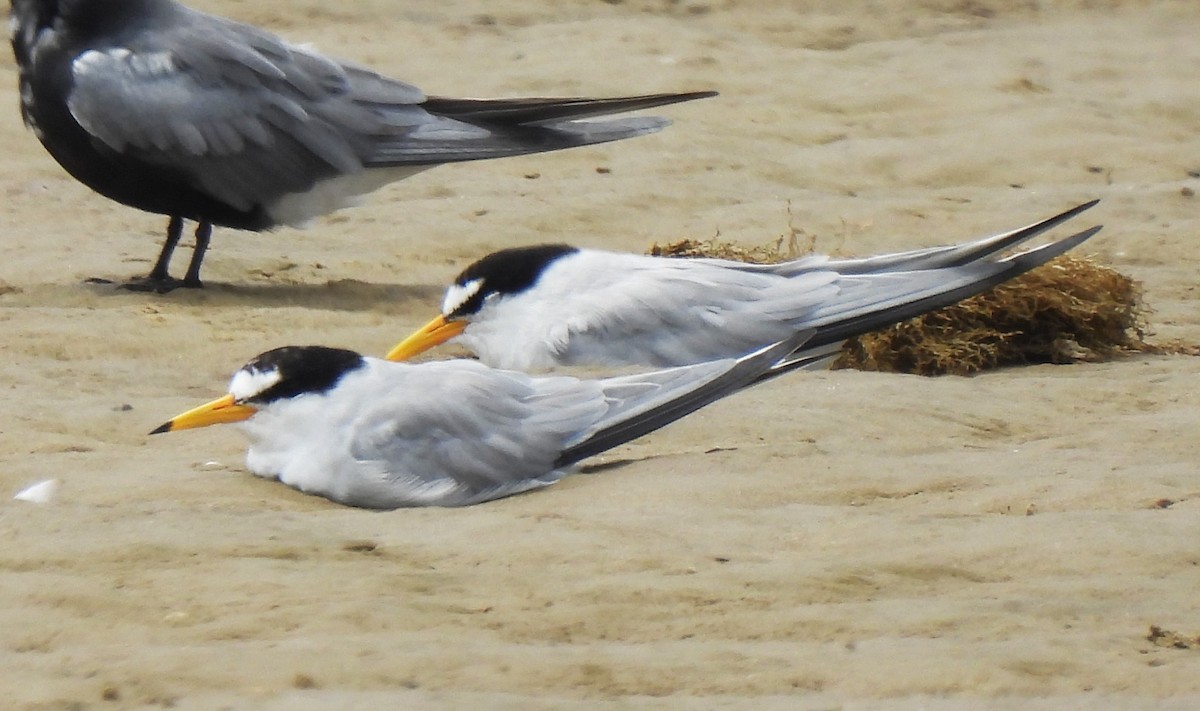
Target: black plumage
[(177, 112)]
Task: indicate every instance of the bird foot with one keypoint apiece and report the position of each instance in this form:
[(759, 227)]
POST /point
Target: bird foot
[(160, 285)]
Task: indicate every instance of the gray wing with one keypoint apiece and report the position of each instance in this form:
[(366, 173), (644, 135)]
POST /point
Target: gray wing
[(825, 343), (871, 301), (666, 312), (917, 259), (669, 312), (474, 129), (248, 116), (640, 404), (457, 433), (954, 255)]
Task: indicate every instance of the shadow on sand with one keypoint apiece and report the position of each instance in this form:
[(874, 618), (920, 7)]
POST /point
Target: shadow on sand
[(337, 295)]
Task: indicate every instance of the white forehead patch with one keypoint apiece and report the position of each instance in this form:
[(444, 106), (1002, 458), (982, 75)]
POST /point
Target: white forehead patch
[(247, 383), (459, 294)]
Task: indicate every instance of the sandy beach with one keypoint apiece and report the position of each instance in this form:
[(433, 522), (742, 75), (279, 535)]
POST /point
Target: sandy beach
[(838, 540)]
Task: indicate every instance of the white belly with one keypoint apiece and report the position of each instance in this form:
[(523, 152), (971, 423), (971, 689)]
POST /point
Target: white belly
[(332, 194)]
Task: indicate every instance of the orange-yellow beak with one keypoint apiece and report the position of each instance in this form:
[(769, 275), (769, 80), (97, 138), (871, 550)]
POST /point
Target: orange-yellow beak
[(436, 332), (219, 411)]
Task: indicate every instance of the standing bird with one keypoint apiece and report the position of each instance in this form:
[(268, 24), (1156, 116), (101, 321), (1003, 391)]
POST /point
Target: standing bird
[(375, 434), (538, 307), (181, 113)]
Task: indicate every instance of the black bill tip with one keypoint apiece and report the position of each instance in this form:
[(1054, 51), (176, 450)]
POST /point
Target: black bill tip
[(164, 427)]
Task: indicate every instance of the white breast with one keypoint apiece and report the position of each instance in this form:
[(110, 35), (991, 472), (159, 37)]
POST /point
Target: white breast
[(332, 194)]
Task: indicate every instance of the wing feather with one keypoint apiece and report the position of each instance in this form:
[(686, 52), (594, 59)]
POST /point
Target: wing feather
[(216, 99), (666, 312), (473, 433), (456, 433)]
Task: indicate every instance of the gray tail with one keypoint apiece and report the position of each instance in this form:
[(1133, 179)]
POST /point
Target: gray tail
[(480, 129), (549, 111)]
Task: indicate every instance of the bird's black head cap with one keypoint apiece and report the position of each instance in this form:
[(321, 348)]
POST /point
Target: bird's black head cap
[(81, 18), (509, 271), (291, 371)]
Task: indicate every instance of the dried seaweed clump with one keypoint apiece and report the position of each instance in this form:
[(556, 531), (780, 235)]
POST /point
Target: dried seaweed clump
[(1068, 310), (1170, 638), (780, 250)]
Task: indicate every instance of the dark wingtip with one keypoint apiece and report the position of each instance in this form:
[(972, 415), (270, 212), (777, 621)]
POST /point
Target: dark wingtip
[(164, 427), (1063, 217)]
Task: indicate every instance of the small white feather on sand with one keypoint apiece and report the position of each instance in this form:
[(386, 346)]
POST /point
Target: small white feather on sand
[(42, 492)]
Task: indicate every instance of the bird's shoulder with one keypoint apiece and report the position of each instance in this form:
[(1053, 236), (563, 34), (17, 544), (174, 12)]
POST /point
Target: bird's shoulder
[(218, 54), (595, 270), (665, 311), (207, 50), (637, 286), (408, 397), (466, 431), (246, 116), (469, 399)]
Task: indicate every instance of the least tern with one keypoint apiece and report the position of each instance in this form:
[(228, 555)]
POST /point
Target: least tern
[(177, 112), (375, 434), (533, 308)]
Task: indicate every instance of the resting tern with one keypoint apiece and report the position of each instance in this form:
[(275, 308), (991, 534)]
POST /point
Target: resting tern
[(533, 308), (375, 434), (177, 112)]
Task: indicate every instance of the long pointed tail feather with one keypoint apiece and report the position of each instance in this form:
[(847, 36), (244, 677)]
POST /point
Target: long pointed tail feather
[(548, 111), (829, 337), (744, 371), (954, 255)]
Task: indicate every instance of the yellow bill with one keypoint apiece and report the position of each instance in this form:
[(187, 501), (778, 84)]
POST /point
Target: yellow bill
[(217, 412), (434, 333)]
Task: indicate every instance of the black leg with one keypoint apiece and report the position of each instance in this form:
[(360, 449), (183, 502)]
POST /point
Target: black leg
[(162, 267), (203, 234), (159, 279)]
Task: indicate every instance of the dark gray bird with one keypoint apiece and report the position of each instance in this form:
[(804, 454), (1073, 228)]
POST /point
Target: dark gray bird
[(177, 112)]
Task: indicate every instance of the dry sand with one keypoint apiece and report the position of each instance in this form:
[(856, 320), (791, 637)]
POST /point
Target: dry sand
[(837, 540)]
